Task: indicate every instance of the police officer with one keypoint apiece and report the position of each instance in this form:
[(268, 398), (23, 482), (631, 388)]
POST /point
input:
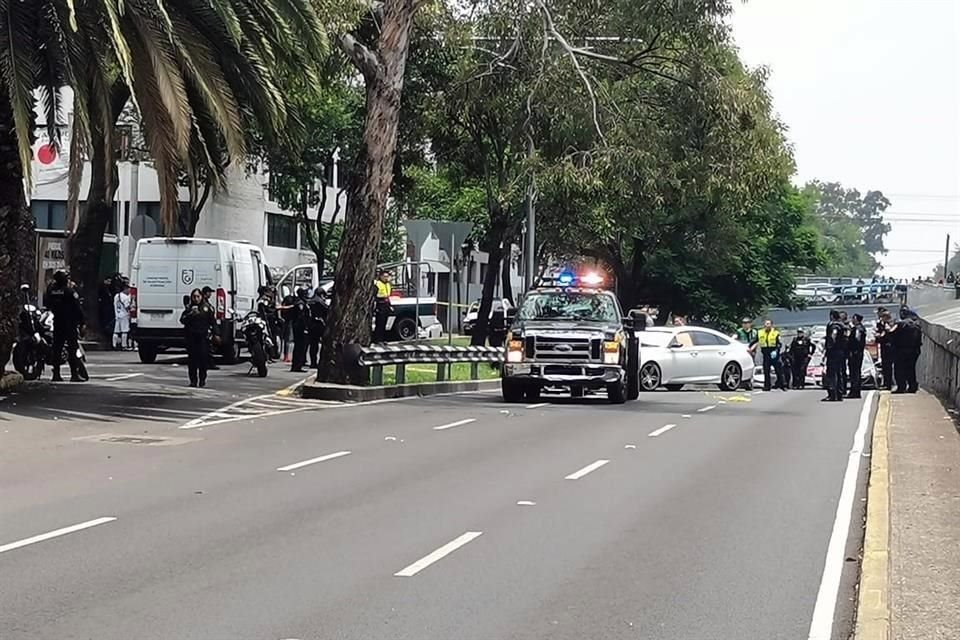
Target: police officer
[(836, 352), (300, 321), (747, 335), (382, 308), (267, 309), (768, 339), (800, 350), (214, 334), (198, 319), (885, 334), (844, 378), (62, 300), (907, 339), (316, 325), (856, 343)]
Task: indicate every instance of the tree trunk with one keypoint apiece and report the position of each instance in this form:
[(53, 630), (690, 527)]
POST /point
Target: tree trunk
[(495, 255), (350, 313), (17, 239), (85, 245), (505, 282)]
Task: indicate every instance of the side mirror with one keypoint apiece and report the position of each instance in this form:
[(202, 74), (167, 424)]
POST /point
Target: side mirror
[(639, 319), (674, 345)]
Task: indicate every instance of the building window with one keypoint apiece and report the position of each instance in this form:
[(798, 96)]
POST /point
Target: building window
[(281, 231), (49, 214)]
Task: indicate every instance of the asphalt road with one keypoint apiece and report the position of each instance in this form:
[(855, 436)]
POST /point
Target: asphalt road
[(690, 516)]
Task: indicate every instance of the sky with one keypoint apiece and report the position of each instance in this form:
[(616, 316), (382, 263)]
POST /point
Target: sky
[(869, 91)]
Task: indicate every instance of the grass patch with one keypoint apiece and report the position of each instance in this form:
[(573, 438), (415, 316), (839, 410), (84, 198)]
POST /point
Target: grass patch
[(419, 373)]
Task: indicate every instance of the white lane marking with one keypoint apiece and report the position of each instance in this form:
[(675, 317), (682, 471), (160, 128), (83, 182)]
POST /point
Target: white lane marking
[(458, 423), (663, 429), (526, 503), (686, 415), (821, 627), (629, 446), (125, 376), (709, 407), (538, 406), (55, 534), (593, 466), (307, 463), (439, 554)]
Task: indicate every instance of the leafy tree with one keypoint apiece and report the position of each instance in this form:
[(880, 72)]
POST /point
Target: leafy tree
[(197, 71), (852, 227)]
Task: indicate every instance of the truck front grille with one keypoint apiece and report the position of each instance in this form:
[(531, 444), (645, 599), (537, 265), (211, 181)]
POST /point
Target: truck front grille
[(566, 349)]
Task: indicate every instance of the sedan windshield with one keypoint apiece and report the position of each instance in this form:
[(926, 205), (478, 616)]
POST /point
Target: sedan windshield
[(570, 305)]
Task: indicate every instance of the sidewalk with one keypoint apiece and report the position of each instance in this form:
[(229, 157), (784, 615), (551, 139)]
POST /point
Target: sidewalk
[(916, 542)]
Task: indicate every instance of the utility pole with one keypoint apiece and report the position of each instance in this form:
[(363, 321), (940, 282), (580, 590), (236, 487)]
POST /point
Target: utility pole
[(946, 258)]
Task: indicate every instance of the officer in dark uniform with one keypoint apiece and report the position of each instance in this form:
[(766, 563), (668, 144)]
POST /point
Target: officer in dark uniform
[(300, 321), (801, 348), (316, 326), (856, 343), (62, 300), (908, 338), (844, 378), (836, 352), (884, 333)]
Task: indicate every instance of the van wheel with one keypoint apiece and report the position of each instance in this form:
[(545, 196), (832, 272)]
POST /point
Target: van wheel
[(147, 352), (405, 329)]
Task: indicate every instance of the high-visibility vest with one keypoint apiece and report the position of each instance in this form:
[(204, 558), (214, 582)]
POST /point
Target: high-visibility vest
[(383, 289), (769, 339)]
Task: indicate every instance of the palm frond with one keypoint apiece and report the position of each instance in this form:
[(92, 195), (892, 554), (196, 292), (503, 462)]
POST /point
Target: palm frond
[(19, 72)]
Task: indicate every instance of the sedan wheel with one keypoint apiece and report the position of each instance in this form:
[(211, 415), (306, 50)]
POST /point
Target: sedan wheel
[(732, 377), (650, 376)]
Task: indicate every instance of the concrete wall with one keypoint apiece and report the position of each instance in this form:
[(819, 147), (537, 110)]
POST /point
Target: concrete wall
[(938, 369)]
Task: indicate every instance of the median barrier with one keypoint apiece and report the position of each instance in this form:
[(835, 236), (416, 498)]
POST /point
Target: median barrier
[(372, 360)]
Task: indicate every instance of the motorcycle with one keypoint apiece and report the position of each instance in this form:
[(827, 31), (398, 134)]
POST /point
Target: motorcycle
[(259, 342), (34, 338)]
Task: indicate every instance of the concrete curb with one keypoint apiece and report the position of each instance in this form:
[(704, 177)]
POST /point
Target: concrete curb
[(10, 381), (873, 607), (348, 393)]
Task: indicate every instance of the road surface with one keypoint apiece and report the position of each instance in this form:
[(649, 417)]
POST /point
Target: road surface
[(685, 516)]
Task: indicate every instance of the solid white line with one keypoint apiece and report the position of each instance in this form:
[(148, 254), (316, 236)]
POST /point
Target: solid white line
[(821, 627), (576, 475), (439, 554), (306, 463), (55, 534), (126, 376), (709, 407), (538, 406), (458, 423), (663, 429)]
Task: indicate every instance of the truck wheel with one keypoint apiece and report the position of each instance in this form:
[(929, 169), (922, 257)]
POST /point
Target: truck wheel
[(512, 390), (405, 329), (617, 392), (532, 394), (147, 352)]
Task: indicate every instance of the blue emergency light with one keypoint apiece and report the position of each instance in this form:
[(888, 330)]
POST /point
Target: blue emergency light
[(565, 278)]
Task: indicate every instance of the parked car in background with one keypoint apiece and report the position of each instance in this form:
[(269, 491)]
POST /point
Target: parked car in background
[(500, 305), (672, 357)]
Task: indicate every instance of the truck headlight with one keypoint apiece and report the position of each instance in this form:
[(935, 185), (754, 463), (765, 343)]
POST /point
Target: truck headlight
[(515, 351), (611, 352)]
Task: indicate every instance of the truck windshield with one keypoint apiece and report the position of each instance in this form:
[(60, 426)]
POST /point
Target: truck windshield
[(569, 305)]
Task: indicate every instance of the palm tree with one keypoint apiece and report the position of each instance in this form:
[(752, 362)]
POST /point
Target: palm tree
[(201, 73)]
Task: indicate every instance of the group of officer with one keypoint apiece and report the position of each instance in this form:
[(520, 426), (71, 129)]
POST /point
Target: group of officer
[(300, 318), (846, 340)]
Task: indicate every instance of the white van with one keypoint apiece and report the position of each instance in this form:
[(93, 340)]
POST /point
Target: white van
[(167, 269)]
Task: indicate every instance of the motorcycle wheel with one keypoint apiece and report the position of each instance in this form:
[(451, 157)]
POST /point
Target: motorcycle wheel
[(259, 359), (27, 361)]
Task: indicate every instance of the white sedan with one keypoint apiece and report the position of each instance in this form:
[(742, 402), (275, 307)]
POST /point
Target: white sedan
[(674, 356)]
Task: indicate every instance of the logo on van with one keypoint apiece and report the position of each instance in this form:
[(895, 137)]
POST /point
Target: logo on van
[(186, 276)]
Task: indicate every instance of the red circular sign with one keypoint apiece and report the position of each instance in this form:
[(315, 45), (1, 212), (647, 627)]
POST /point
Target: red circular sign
[(46, 154)]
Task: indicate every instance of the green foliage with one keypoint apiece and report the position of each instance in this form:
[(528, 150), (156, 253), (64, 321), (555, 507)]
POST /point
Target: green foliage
[(852, 228)]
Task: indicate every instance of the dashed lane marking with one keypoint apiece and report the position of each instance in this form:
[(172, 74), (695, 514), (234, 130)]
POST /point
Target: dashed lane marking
[(437, 555), (55, 534), (661, 430), (590, 468)]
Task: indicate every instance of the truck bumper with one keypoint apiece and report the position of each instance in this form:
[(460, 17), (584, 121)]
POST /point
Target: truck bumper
[(590, 376)]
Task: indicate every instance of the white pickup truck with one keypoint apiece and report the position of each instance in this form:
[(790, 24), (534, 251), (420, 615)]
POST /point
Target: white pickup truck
[(400, 326)]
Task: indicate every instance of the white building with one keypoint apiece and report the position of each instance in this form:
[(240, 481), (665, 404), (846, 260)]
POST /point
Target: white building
[(241, 212)]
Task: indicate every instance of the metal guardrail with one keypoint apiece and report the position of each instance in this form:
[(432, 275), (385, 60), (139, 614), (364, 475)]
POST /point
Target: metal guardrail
[(376, 357)]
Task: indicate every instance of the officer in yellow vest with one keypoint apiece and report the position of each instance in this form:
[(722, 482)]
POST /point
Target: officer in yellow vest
[(382, 307), (768, 339)]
